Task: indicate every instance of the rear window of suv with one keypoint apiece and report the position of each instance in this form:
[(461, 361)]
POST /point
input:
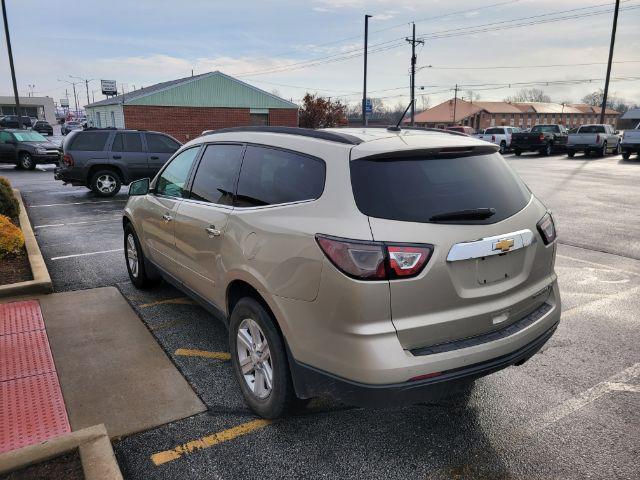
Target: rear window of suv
[(89, 141), (591, 129), (416, 189)]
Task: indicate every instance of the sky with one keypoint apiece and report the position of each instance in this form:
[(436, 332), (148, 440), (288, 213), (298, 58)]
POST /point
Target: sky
[(293, 47)]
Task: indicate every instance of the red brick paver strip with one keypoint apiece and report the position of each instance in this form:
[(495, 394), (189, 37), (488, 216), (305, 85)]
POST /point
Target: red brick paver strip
[(31, 405)]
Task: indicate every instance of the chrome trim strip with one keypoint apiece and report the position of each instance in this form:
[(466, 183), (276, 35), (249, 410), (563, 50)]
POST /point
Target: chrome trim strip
[(485, 246)]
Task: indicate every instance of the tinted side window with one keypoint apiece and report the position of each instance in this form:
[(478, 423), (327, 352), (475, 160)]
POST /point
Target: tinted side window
[(90, 141), (271, 176), (161, 143), (127, 142), (4, 136), (173, 178), (217, 174)]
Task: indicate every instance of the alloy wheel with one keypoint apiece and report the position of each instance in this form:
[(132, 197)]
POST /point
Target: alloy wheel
[(132, 255), (26, 161), (106, 183), (254, 358)]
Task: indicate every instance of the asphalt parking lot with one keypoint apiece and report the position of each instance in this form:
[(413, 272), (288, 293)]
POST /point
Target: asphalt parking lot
[(570, 412)]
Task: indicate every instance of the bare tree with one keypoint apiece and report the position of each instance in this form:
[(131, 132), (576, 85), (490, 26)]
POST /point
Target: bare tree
[(471, 96), (616, 103), (529, 95)]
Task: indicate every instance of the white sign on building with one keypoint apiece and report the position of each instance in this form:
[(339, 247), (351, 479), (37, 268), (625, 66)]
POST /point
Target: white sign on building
[(109, 87)]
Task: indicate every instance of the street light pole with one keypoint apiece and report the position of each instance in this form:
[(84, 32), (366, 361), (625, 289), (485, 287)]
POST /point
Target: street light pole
[(613, 41), (364, 88), (13, 70)]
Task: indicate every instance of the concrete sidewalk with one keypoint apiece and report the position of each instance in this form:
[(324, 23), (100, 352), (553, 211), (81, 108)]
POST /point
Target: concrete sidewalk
[(110, 368)]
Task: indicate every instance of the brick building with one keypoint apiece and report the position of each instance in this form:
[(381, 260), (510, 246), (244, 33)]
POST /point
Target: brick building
[(480, 115), (185, 107)]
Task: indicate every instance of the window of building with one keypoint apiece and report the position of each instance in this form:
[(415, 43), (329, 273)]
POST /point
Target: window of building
[(270, 176), (173, 178), (259, 119), (127, 142), (217, 174)]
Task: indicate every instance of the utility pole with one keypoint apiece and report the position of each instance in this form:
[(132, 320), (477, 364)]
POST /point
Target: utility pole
[(613, 41), (455, 103), (364, 88), (86, 85), (13, 70), (413, 43)]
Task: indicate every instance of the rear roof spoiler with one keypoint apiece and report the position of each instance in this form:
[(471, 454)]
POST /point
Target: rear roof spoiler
[(437, 152)]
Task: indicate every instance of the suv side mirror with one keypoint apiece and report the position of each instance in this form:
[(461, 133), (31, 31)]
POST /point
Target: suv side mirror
[(139, 187)]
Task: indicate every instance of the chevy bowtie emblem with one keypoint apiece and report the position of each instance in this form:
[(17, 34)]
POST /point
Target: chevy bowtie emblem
[(503, 245)]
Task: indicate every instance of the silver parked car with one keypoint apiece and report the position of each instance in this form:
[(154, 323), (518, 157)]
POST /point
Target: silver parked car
[(377, 266)]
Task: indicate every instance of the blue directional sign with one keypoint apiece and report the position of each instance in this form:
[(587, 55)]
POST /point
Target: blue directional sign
[(368, 106)]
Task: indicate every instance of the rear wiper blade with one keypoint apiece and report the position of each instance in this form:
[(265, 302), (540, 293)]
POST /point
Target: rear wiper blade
[(470, 214)]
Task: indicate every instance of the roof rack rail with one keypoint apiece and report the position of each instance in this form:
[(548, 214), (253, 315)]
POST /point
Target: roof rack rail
[(304, 132), (439, 130)]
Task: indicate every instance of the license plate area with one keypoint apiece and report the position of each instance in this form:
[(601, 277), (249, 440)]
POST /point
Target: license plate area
[(497, 268)]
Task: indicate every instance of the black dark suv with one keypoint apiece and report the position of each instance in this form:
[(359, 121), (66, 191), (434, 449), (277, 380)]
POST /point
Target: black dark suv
[(105, 159)]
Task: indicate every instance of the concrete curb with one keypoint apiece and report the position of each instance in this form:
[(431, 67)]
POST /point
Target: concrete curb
[(96, 454), (41, 282)]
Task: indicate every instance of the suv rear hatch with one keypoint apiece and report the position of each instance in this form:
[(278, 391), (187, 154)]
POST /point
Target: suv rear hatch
[(489, 266)]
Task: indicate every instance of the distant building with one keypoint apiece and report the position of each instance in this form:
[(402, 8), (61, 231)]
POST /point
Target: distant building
[(630, 119), (185, 107), (480, 115), (41, 108)]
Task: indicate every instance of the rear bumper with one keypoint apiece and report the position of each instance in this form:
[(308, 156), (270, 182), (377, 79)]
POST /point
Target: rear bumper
[(310, 381), (67, 176), (583, 147)]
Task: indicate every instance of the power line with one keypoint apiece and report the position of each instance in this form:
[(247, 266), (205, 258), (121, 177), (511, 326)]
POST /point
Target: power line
[(496, 67), (454, 32)]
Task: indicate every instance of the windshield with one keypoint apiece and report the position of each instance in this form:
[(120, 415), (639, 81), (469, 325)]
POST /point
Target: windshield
[(29, 137), (545, 128), (417, 189)]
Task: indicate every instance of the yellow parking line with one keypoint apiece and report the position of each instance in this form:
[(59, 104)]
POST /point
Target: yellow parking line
[(186, 352), (174, 301), (208, 441)]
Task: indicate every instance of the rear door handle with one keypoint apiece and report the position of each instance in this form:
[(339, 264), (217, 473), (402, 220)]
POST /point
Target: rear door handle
[(155, 158), (117, 157), (212, 231), (166, 217)]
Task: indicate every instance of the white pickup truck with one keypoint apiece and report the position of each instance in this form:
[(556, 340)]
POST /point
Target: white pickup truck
[(630, 142), (598, 138), (499, 136)]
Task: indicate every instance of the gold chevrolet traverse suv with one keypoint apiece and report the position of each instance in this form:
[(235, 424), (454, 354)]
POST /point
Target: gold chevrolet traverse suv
[(377, 266)]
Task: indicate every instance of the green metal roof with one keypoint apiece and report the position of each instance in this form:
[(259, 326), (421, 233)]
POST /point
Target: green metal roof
[(213, 89)]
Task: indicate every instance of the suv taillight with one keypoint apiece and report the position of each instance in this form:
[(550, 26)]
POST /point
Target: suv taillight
[(68, 160), (365, 260), (541, 137), (493, 138), (547, 229)]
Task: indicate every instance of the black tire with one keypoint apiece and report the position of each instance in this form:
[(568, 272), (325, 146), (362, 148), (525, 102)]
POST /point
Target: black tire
[(105, 183), (141, 276), (618, 149), (626, 155), (571, 153), (25, 161), (547, 150), (603, 150), (517, 153), (503, 146), (281, 398)]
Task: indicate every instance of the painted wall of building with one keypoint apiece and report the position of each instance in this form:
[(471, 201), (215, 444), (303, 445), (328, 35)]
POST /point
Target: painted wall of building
[(186, 123), (43, 107), (106, 116)]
